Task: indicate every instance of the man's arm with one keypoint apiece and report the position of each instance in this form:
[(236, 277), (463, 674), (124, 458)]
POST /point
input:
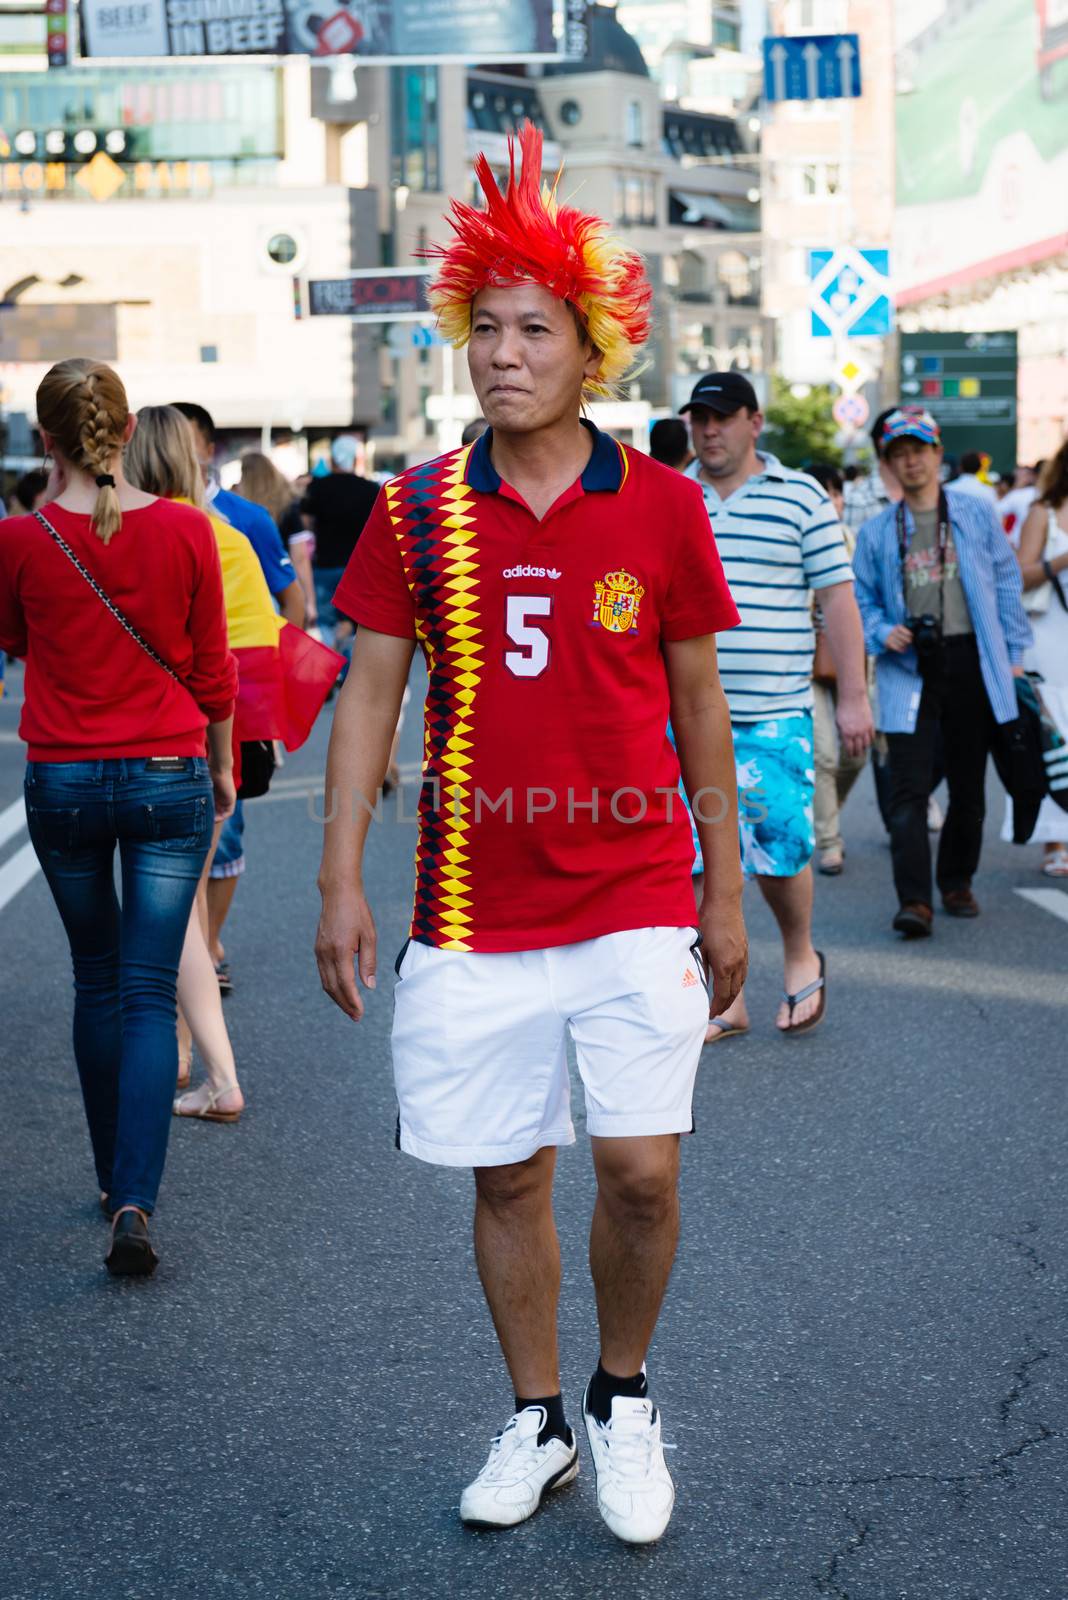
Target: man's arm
[(364, 724), (702, 726), (845, 636)]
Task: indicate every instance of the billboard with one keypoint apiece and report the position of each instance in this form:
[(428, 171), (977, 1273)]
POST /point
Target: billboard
[(390, 294), (968, 383), (982, 136), (422, 30)]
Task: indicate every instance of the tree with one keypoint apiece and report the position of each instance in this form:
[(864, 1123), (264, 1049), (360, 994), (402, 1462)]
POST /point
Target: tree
[(800, 427)]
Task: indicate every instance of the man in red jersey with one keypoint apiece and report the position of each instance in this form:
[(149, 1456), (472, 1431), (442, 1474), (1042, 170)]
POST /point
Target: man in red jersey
[(566, 593)]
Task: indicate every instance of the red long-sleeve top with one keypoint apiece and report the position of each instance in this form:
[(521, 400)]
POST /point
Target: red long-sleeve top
[(91, 691)]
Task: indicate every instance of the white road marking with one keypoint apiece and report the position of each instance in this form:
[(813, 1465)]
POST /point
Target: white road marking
[(1054, 901), (12, 820), (16, 873)]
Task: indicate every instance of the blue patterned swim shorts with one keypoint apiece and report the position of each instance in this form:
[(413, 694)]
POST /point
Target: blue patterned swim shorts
[(776, 790)]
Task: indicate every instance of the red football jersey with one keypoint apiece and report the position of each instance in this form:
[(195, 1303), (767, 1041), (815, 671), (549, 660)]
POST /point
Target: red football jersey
[(549, 811)]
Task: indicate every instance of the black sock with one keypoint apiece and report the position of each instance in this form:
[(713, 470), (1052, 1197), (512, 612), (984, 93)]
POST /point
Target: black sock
[(555, 1422), (604, 1386)]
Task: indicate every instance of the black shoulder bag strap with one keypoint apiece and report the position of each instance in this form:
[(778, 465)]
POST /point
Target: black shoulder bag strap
[(122, 620)]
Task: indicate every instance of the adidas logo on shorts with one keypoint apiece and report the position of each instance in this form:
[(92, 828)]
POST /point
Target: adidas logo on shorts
[(688, 979)]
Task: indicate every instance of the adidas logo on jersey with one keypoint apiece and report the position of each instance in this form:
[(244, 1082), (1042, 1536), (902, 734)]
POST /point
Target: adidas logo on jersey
[(532, 572), (688, 979)]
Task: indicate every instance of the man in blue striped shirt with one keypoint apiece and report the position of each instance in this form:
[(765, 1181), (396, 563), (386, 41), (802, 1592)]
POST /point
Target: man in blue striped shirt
[(940, 593), (779, 541)]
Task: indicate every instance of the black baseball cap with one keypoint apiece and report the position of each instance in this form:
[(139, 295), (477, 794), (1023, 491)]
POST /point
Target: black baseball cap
[(722, 392)]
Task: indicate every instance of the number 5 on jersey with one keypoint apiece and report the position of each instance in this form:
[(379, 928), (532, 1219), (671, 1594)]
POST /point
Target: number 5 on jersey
[(532, 657)]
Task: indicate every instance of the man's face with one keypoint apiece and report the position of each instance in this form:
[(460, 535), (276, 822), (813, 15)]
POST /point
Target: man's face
[(724, 444), (914, 463), (527, 359)]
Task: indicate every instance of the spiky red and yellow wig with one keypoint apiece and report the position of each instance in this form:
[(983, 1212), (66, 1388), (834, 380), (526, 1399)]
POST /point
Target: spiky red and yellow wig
[(525, 236)]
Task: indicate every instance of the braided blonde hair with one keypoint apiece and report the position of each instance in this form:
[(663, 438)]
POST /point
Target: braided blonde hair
[(83, 405)]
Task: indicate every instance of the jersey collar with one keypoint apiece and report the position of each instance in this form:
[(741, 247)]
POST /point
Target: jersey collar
[(605, 472)]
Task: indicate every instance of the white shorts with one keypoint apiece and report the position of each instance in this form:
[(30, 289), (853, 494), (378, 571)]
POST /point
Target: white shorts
[(479, 1044)]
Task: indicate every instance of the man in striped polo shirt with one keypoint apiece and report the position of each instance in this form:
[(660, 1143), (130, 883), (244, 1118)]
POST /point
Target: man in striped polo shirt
[(779, 541)]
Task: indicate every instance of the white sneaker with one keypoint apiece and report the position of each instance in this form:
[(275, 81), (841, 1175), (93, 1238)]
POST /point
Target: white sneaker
[(519, 1472), (635, 1494)]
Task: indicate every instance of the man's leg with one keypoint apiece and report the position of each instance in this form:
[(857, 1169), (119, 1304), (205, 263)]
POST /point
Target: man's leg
[(518, 1258), (966, 728), (633, 1239), (825, 738), (790, 900), (911, 761)]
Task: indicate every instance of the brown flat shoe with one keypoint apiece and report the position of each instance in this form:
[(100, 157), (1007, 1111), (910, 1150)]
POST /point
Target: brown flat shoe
[(914, 920), (960, 903)]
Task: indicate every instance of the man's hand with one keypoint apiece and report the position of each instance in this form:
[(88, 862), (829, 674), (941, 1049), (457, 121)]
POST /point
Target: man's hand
[(1017, 672), (855, 726), (725, 947), (346, 932), (899, 638)]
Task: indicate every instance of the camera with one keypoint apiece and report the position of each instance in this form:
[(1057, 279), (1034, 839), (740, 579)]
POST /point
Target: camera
[(926, 639)]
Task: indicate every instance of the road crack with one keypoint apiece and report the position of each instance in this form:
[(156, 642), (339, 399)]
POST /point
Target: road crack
[(998, 1466), (827, 1582)]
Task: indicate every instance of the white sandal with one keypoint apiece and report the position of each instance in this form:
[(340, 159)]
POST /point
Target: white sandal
[(208, 1112)]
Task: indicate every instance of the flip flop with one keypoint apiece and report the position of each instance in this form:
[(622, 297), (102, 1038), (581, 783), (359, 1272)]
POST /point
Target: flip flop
[(724, 1030), (208, 1112), (794, 1000)]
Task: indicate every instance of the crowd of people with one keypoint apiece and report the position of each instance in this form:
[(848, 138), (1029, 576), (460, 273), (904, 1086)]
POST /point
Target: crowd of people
[(747, 631)]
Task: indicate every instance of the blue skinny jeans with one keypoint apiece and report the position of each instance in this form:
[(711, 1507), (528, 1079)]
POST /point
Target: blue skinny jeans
[(126, 955)]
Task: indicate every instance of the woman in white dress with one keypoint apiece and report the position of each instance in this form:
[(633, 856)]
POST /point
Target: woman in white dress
[(1044, 564)]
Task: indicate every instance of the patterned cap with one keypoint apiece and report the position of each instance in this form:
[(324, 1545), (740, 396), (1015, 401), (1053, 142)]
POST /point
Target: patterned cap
[(910, 422)]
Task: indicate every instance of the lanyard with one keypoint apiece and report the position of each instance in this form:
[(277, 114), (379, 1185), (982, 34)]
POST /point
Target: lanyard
[(943, 545)]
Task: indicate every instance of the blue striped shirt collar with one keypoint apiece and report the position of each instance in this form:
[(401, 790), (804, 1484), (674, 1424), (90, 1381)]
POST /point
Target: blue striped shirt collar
[(771, 471)]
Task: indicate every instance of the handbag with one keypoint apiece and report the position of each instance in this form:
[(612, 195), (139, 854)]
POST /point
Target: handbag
[(259, 753)]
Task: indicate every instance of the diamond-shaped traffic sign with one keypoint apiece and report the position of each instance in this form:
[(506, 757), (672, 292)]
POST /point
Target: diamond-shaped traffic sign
[(102, 177), (851, 374), (849, 292)]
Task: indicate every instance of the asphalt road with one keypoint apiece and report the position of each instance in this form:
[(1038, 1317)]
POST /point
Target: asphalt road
[(862, 1358)]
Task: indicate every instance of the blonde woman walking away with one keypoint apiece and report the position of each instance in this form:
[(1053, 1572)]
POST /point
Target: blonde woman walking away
[(161, 457), (129, 742)]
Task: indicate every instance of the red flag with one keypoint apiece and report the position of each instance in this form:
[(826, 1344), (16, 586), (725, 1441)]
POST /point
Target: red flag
[(309, 671)]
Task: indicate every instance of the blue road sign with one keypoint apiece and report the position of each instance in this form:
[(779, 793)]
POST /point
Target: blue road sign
[(816, 66), (849, 293)]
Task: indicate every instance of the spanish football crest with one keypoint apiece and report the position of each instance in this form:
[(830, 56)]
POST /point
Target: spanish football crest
[(616, 599)]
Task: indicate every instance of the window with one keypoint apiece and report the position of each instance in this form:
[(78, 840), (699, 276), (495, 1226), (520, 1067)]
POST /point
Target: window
[(416, 153), (635, 127), (819, 180), (282, 248), (570, 113), (636, 197), (209, 354)]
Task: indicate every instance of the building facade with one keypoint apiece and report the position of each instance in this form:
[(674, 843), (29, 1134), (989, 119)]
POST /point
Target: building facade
[(157, 217)]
